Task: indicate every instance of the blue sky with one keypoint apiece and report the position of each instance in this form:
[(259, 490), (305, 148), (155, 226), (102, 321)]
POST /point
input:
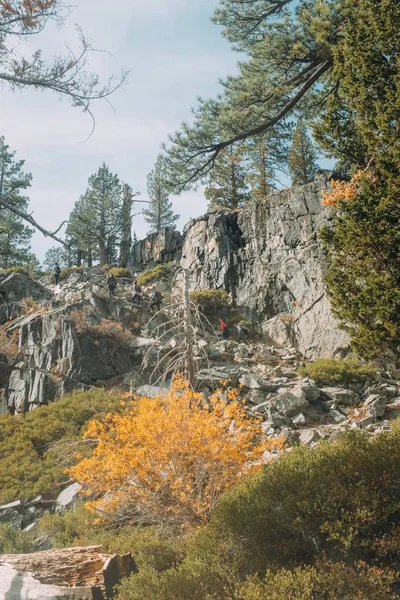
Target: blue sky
[(173, 52)]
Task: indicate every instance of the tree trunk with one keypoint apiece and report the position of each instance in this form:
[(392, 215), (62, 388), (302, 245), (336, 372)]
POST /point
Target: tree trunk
[(126, 230)]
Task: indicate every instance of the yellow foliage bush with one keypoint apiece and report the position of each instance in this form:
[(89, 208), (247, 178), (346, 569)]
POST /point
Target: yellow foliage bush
[(169, 458)]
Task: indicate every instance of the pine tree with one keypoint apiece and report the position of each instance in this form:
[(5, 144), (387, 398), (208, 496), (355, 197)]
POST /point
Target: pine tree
[(54, 255), (266, 156), (363, 278), (160, 213), (95, 222), (227, 184), (15, 236), (302, 157)]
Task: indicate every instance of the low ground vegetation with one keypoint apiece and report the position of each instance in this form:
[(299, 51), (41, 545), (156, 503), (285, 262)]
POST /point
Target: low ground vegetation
[(10, 270), (333, 371), (320, 523), (211, 301), (268, 534), (9, 346), (28, 465), (120, 272), (105, 329)]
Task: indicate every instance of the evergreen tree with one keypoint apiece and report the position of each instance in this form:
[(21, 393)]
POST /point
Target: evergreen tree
[(95, 222), (15, 236), (160, 213), (291, 50), (227, 184), (54, 255), (266, 156), (302, 157), (363, 278), (361, 122)]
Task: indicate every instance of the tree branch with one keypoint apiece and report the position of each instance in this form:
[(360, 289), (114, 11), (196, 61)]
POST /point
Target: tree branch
[(29, 219)]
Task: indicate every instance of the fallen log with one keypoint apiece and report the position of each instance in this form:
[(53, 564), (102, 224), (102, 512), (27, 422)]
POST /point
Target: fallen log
[(82, 573)]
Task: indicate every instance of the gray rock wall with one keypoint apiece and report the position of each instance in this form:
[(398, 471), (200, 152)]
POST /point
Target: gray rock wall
[(269, 259), (156, 248)]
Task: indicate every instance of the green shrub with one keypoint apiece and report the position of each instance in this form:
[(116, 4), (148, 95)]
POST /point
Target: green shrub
[(69, 270), (334, 371), (120, 272), (339, 500), (15, 541), (149, 547), (158, 272), (211, 300), (27, 465), (326, 581), (10, 270)]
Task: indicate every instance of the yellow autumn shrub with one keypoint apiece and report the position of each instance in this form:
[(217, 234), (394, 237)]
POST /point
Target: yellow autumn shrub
[(169, 458)]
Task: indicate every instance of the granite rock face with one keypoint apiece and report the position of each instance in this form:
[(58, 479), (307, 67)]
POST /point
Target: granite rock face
[(269, 258), (156, 248)]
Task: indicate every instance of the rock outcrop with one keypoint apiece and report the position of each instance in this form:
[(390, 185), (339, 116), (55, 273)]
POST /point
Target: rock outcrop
[(269, 258), (82, 573), (161, 247)]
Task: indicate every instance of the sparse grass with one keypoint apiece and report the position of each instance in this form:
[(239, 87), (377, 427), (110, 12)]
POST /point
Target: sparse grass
[(334, 371), (157, 272), (9, 344), (104, 329), (120, 272), (10, 270), (287, 318)]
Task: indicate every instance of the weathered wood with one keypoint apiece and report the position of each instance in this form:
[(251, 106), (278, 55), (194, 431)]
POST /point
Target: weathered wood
[(82, 573)]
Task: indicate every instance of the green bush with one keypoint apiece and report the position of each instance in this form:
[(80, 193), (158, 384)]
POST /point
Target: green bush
[(27, 465), (120, 272), (326, 581), (15, 270), (334, 371), (78, 527), (158, 272), (211, 300), (15, 541), (338, 500), (69, 270)]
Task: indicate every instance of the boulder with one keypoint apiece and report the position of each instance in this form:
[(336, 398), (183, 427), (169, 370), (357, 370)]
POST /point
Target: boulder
[(68, 497), (18, 286), (291, 402), (312, 393), (309, 437), (375, 405), (299, 419), (250, 381), (341, 395), (82, 573)]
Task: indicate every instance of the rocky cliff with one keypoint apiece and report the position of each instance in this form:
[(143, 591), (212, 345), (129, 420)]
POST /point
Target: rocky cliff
[(269, 258)]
